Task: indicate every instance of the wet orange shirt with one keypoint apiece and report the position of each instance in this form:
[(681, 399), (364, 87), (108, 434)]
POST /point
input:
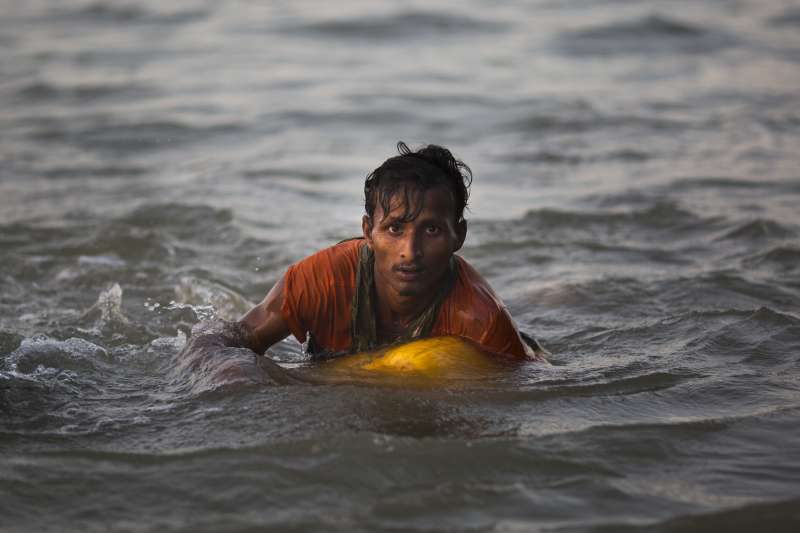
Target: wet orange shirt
[(318, 295)]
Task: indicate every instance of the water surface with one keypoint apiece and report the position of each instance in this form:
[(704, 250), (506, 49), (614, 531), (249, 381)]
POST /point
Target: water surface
[(635, 204)]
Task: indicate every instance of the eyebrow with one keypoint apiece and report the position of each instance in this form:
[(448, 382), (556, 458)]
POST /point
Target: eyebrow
[(391, 219)]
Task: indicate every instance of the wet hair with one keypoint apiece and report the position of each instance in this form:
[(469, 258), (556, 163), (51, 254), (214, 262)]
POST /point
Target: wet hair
[(412, 174)]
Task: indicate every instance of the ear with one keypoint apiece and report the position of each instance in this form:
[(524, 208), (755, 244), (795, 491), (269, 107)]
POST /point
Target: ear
[(461, 234), (366, 228)]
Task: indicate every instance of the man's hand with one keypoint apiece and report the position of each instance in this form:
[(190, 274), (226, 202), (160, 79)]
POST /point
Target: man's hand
[(222, 334)]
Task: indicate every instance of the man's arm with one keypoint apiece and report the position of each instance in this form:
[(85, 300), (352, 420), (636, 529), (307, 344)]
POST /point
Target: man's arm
[(264, 322), (258, 329), (502, 336)]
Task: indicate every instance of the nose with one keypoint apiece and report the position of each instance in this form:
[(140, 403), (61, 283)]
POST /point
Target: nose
[(411, 247)]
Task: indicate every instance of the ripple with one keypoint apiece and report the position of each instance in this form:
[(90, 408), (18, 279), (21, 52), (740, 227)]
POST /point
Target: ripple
[(727, 183), (133, 137), (723, 290), (777, 516), (590, 120), (662, 215), (784, 258), (763, 336), (49, 92), (153, 232), (183, 219), (71, 354), (789, 18), (124, 13), (612, 386), (94, 171), (758, 230), (654, 34), (556, 157), (9, 341), (401, 25)]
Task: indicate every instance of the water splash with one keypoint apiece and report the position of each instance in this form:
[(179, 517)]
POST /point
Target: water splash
[(209, 299), (107, 309), (203, 312)]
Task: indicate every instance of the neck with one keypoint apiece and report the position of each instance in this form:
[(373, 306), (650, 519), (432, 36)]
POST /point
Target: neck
[(394, 312)]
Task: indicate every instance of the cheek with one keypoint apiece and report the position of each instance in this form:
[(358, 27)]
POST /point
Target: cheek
[(438, 249), (382, 251), (381, 246)]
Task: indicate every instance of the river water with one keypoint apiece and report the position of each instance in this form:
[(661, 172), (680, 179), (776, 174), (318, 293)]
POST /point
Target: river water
[(635, 203)]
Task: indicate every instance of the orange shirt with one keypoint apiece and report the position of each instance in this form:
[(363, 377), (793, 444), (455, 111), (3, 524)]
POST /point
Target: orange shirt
[(318, 295)]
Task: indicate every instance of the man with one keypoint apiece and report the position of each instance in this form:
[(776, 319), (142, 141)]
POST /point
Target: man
[(400, 281)]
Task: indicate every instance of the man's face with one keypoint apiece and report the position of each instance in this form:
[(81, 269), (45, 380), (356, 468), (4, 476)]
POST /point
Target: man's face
[(412, 256)]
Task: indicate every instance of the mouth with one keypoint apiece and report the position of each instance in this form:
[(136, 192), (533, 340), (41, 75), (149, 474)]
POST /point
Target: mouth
[(408, 272)]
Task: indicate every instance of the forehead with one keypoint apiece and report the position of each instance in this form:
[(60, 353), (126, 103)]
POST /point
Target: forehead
[(407, 201)]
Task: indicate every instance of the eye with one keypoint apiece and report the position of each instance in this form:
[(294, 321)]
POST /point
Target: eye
[(432, 230), (395, 228)]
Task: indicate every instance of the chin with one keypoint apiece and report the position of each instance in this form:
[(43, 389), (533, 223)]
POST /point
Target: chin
[(412, 290), (408, 292)]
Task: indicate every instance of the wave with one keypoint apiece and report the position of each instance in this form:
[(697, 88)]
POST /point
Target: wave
[(155, 241), (93, 171), (758, 230), (9, 341), (399, 25), (618, 230), (130, 244), (764, 335), (362, 116), (20, 236), (789, 18), (785, 122), (153, 232), (785, 258), (124, 13), (623, 314), (553, 157), (658, 234), (182, 218), (48, 92), (287, 173), (779, 515), (589, 120), (71, 354), (721, 290), (727, 183), (607, 385), (653, 34), (659, 215), (125, 138)]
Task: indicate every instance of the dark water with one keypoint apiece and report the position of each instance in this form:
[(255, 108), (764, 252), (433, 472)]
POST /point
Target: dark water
[(635, 203)]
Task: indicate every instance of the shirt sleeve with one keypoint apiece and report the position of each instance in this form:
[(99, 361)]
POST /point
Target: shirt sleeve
[(502, 335), (295, 294), (318, 294), (476, 312)]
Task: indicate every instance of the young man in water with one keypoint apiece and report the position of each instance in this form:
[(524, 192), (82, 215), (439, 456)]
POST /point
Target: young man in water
[(400, 281)]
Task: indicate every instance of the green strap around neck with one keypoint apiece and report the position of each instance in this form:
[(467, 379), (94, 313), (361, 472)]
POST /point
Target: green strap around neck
[(363, 311)]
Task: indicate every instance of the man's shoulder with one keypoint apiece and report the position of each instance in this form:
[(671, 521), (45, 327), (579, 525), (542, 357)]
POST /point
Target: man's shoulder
[(473, 310), (341, 258), (318, 293), (472, 289)]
